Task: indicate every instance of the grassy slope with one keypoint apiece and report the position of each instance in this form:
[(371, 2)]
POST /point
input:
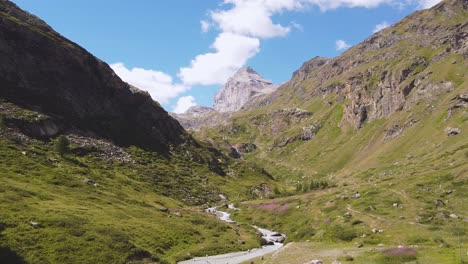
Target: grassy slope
[(135, 213), (414, 170)]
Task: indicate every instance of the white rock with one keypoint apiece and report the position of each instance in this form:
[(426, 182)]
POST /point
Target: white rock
[(454, 216), (240, 88)]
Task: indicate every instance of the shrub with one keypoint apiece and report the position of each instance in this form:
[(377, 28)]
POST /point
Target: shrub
[(342, 233), (2, 123), (62, 146)]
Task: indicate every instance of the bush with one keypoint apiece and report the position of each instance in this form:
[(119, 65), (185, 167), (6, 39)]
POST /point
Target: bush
[(342, 233), (62, 146), (2, 123)]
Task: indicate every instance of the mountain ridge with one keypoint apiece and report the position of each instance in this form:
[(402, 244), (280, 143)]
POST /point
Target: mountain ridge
[(81, 91)]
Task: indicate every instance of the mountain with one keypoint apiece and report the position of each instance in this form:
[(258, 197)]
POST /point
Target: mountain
[(41, 70), (93, 170), (374, 138), (244, 85)]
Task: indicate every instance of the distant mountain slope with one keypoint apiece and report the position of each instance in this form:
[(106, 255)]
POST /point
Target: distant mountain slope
[(42, 70), (245, 87)]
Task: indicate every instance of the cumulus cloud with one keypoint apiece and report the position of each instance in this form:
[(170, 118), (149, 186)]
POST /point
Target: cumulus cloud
[(253, 17), (342, 45), (381, 26), (231, 53), (183, 104), (243, 24), (428, 3), (158, 84), (205, 26)]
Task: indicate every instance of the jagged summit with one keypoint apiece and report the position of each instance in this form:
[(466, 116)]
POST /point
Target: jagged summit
[(245, 84)]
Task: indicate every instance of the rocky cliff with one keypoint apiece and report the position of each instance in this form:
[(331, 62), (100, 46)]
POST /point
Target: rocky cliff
[(200, 116), (244, 85), (42, 70), (390, 71)]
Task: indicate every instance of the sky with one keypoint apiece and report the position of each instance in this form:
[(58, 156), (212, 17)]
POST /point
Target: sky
[(183, 51)]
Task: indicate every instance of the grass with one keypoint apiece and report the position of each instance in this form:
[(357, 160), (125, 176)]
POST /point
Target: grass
[(151, 208)]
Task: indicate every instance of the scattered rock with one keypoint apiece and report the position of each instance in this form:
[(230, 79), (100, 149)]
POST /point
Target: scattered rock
[(357, 195), (452, 131), (439, 203), (24, 153), (88, 181), (178, 214), (347, 215), (309, 132), (35, 224), (96, 185), (453, 216), (380, 245), (360, 245), (377, 231), (336, 262), (315, 261), (440, 215), (395, 204), (245, 147)]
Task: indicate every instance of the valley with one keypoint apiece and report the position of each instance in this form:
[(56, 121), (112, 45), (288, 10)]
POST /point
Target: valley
[(361, 158)]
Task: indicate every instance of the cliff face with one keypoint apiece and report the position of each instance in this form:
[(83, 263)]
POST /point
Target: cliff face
[(240, 88), (200, 116), (42, 70), (390, 71)]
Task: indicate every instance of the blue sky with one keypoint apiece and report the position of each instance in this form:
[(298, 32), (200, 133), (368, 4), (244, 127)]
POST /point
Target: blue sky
[(165, 48)]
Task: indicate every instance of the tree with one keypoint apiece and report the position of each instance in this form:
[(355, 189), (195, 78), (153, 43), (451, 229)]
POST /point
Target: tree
[(62, 146)]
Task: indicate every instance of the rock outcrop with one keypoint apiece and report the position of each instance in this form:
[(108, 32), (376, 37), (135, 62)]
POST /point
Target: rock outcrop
[(197, 117), (240, 88), (390, 71), (42, 70)]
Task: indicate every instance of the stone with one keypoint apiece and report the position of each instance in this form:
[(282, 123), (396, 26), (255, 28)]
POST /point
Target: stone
[(395, 204), (34, 224), (336, 262), (377, 231), (453, 216), (88, 181), (357, 195), (451, 131), (315, 261), (439, 203)]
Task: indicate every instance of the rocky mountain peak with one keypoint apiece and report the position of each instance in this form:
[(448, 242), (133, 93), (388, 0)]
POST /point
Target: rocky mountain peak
[(244, 85)]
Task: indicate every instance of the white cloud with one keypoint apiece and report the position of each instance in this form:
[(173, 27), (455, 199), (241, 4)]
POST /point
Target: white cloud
[(158, 84), (428, 3), (381, 26), (231, 53), (253, 17), (184, 103), (342, 45), (205, 26)]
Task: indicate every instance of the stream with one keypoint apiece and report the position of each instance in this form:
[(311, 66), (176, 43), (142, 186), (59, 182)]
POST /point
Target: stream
[(275, 241)]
